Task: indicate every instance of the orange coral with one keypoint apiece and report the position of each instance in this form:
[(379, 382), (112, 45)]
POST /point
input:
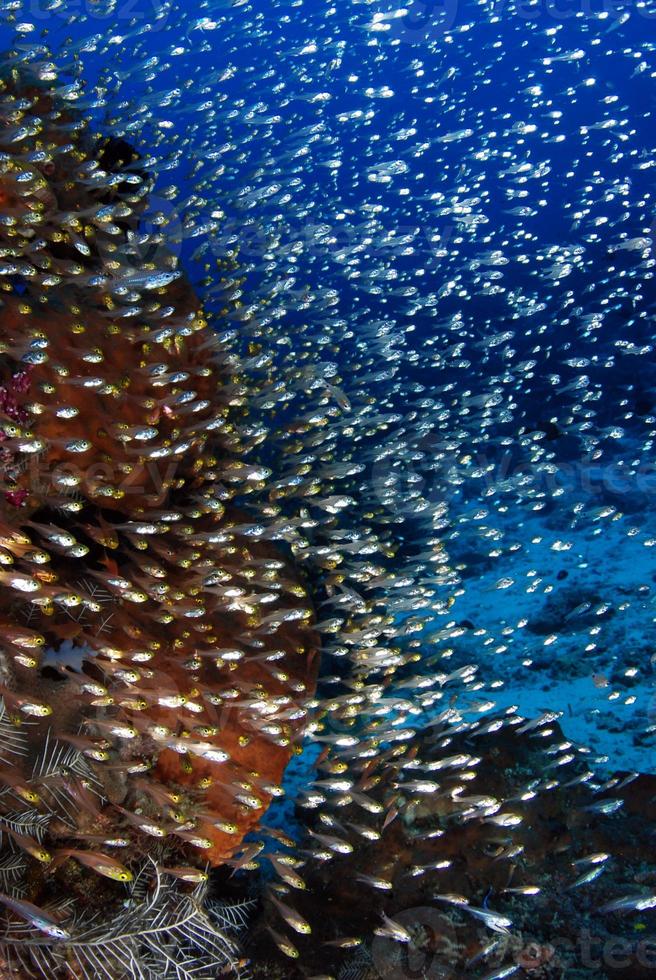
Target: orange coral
[(125, 441)]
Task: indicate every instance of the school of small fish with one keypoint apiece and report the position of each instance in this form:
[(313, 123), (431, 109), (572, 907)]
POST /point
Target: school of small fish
[(241, 524)]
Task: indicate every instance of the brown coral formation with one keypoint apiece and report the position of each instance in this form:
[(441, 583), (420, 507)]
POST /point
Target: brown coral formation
[(146, 634), (484, 874)]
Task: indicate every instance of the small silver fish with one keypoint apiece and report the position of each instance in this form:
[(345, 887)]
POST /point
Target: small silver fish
[(35, 916), (391, 929), (629, 903)]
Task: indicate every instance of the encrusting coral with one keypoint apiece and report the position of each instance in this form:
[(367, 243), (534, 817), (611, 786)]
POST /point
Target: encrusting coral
[(156, 654)]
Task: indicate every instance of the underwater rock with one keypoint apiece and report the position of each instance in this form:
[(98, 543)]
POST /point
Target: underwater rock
[(169, 735), (507, 863), (570, 609)]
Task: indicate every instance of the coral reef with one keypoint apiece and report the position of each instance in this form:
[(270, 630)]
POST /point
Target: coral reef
[(179, 500), (495, 849), (157, 649)]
